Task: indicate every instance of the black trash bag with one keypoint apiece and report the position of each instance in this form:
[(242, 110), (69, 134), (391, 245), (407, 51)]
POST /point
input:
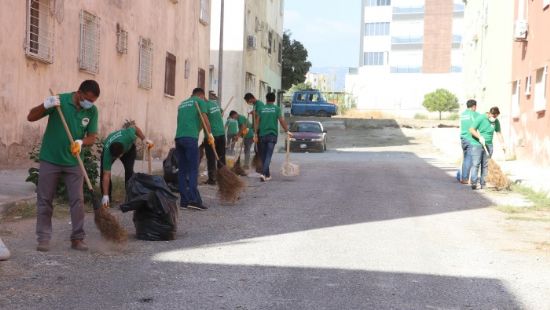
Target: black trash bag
[(154, 206), (170, 169)]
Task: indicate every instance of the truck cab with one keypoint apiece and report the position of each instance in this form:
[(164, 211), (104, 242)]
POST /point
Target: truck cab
[(311, 103)]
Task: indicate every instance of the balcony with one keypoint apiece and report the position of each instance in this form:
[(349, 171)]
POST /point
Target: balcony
[(407, 42), (408, 12), (458, 8), (457, 41), (406, 69)]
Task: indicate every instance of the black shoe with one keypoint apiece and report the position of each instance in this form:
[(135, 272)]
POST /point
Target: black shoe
[(474, 186), (197, 206)]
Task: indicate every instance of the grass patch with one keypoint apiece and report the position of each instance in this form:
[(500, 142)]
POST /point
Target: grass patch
[(529, 219), (27, 210), (513, 209), (540, 200)]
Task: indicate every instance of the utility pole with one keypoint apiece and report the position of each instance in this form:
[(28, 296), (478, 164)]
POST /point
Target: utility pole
[(220, 55)]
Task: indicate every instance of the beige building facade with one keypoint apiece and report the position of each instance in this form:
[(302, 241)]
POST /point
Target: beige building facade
[(146, 55), (252, 50)]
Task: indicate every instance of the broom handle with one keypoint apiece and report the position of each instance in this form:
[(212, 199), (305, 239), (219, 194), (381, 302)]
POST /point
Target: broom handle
[(70, 136), (206, 129), (287, 147), (227, 105), (485, 148), (149, 168)]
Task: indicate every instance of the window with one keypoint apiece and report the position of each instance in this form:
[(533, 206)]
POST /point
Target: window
[(378, 2), (374, 59), (145, 72), (263, 90), (528, 86), (121, 40), (89, 42), (300, 98), (377, 29), (170, 75), (314, 97), (204, 16), (280, 52), (187, 69), (40, 31), (250, 83), (270, 42), (540, 89), (515, 99), (201, 81)]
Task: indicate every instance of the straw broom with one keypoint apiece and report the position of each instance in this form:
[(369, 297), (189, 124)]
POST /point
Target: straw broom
[(105, 222), (289, 169), (229, 184), (237, 168), (495, 175)]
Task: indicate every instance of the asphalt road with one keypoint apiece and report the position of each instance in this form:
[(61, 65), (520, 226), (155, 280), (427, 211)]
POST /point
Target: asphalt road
[(362, 227)]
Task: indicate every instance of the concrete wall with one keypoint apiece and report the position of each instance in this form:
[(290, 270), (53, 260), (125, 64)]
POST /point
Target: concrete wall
[(438, 30), (531, 126), (173, 28)]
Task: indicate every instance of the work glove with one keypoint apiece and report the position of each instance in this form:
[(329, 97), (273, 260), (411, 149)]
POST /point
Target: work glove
[(481, 140), (149, 144), (245, 131), (51, 102), (76, 147), (211, 140), (105, 201)]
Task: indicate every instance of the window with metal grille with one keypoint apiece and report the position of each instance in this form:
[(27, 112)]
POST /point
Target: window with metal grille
[(121, 40), (204, 16), (270, 42), (202, 78), (89, 42), (250, 82), (280, 52), (170, 75), (145, 72), (40, 31)]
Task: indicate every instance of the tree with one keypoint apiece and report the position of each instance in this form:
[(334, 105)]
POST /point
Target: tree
[(295, 64), (299, 86), (440, 100)]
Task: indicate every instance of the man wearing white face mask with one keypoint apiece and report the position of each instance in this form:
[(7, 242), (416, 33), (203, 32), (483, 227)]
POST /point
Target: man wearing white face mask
[(58, 158), (482, 130)]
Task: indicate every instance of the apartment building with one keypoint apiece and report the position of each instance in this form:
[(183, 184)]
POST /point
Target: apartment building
[(146, 55), (530, 89), (252, 49), (408, 48)]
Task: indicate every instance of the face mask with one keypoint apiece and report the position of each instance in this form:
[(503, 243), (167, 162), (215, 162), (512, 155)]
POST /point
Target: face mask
[(86, 104), (492, 119)]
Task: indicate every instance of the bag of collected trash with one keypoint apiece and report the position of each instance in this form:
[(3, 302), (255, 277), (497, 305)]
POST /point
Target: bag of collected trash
[(170, 169), (154, 206)]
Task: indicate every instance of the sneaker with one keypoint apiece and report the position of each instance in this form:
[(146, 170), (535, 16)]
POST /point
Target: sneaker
[(43, 246), (79, 245), (197, 206), (268, 178), (4, 252), (262, 178)]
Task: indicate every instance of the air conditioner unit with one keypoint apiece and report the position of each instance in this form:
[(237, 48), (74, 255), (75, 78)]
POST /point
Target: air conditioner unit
[(520, 30), (251, 42)]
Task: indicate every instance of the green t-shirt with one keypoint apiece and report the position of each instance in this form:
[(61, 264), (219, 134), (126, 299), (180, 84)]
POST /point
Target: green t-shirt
[(215, 118), (243, 120), (269, 116), (467, 118), (126, 137), (232, 126), (486, 129), (189, 122), (56, 147), (258, 104)]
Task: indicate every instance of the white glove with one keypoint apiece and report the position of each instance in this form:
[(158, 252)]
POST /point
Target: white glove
[(105, 201), (51, 102), (149, 143), (481, 140)]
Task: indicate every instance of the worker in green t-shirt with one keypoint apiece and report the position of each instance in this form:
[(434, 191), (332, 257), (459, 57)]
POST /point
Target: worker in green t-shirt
[(256, 105), (232, 130), (482, 130), (246, 132), (119, 144), (267, 128), (187, 148), (466, 120), (213, 111), (58, 158)]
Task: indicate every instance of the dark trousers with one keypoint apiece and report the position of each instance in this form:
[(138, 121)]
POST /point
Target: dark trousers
[(267, 145), (128, 160), (211, 158), (187, 151)]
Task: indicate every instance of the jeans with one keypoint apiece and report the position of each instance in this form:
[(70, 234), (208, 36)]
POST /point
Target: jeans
[(219, 142), (247, 146), (467, 161), (128, 159), (187, 152), (267, 145), (480, 159)]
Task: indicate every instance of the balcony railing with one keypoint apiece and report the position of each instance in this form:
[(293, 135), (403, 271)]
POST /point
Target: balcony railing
[(405, 69), (401, 40), (408, 10)]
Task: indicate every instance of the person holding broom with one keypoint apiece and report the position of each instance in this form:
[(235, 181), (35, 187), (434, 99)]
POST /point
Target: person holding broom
[(482, 130), (246, 132), (187, 150), (232, 129), (119, 144), (256, 105), (58, 158), (218, 132), (466, 119), (266, 126)]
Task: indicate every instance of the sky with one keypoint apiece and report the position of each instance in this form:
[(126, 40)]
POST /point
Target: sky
[(329, 29)]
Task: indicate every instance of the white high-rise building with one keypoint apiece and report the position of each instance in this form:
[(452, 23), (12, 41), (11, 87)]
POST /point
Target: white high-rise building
[(408, 48)]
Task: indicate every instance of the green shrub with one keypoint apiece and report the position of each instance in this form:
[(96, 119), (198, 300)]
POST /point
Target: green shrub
[(90, 158), (420, 116)]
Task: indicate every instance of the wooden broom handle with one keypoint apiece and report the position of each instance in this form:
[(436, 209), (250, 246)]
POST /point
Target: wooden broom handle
[(149, 166), (70, 136), (206, 129), (227, 105)]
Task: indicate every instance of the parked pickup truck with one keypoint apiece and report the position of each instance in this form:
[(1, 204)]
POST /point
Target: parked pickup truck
[(311, 102)]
